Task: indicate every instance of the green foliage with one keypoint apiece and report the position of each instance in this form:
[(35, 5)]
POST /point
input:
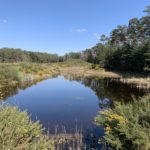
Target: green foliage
[(9, 73), (31, 67), (147, 10), (127, 126), (75, 62), (18, 132), (19, 72), (96, 66), (147, 57), (72, 55), (126, 57), (18, 55), (126, 49)]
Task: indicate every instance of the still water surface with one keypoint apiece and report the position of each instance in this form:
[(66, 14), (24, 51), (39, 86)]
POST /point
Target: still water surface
[(69, 103), (58, 102)]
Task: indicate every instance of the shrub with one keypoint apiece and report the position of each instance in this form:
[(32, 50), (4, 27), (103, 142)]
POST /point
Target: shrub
[(32, 68), (96, 67), (75, 63), (127, 126), (18, 132), (9, 73)]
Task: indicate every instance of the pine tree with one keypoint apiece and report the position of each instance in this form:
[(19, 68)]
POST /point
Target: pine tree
[(147, 58)]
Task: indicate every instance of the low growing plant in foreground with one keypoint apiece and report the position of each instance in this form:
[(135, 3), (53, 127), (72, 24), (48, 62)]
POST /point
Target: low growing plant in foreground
[(127, 126), (18, 132)]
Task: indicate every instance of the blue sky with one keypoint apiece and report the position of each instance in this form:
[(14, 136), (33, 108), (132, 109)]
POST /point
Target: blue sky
[(60, 26)]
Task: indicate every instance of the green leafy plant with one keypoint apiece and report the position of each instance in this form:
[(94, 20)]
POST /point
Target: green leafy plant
[(127, 126), (18, 132)]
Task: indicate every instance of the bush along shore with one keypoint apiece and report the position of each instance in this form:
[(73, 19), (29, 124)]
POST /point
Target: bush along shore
[(127, 126), (21, 72), (18, 132)]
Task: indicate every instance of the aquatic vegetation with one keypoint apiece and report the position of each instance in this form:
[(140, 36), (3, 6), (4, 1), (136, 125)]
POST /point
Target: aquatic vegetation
[(18, 132), (127, 126)]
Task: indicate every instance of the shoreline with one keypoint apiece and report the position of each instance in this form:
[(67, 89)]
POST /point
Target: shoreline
[(139, 82), (53, 69)]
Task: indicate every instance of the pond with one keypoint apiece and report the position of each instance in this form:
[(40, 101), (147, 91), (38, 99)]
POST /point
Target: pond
[(58, 102), (67, 104)]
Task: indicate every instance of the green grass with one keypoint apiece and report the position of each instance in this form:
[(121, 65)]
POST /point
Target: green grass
[(18, 132)]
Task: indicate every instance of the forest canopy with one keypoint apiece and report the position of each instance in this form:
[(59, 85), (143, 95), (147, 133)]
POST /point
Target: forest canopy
[(18, 55), (127, 48)]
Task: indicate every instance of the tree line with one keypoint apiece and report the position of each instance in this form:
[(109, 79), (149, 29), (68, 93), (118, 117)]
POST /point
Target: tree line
[(12, 55), (126, 49)]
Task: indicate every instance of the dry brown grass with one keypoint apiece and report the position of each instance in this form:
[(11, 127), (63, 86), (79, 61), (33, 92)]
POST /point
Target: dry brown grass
[(79, 69), (84, 71), (139, 82)]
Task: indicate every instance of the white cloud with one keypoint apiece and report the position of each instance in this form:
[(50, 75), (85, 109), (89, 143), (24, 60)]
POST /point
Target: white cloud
[(81, 30), (78, 30), (3, 21), (97, 36), (79, 98)]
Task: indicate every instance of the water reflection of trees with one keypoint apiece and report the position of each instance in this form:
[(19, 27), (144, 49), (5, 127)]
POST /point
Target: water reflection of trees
[(115, 91), (107, 89), (11, 90)]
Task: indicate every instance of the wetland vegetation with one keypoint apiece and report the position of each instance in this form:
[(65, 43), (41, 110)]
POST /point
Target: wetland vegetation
[(65, 93)]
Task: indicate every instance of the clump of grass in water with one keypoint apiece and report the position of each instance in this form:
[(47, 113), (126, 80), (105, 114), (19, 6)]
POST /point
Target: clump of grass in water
[(67, 141)]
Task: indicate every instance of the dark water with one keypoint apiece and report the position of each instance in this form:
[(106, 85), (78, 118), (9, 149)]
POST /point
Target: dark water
[(67, 104)]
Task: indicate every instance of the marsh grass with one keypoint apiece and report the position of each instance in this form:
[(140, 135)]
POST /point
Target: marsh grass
[(9, 74), (22, 72)]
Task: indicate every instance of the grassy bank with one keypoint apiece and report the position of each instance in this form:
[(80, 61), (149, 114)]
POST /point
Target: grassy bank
[(80, 68), (22, 72)]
